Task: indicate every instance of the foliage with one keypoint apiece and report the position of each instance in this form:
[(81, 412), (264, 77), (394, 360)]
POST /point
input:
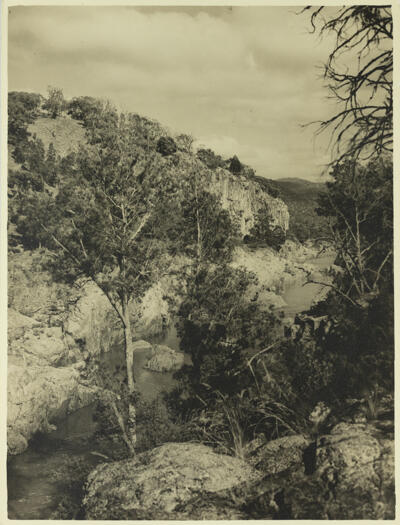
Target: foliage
[(359, 207), (75, 474), (210, 159), (23, 109), (231, 390), (358, 203), (206, 230), (184, 142), (235, 166), (55, 103), (301, 198), (356, 353), (84, 109), (166, 146), (363, 126), (99, 223), (263, 233)]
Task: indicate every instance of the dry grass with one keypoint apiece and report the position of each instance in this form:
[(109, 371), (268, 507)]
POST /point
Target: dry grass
[(64, 132)]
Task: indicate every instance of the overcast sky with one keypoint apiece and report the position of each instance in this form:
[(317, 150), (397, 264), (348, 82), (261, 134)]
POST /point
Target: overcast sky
[(240, 80)]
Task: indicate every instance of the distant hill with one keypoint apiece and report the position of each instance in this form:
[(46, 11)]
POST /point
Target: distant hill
[(301, 197)]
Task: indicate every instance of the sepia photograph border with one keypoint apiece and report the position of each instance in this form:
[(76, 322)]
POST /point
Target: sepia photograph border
[(6, 4)]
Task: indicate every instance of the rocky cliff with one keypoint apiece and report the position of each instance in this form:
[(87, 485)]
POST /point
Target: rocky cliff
[(243, 198), (239, 194)]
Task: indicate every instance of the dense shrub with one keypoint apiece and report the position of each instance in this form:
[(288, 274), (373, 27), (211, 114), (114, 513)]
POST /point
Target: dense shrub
[(23, 109), (210, 159), (235, 166), (84, 109), (166, 146), (263, 233)]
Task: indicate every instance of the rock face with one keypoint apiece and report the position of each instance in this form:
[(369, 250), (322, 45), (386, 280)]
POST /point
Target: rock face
[(353, 477), (37, 397), (164, 359), (161, 483), (243, 198), (355, 461), (43, 379)]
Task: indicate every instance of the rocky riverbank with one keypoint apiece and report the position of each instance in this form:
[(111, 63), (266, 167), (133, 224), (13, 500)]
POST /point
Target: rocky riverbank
[(43, 380), (347, 473)]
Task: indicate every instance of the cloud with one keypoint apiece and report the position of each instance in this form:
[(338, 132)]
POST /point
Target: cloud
[(242, 78)]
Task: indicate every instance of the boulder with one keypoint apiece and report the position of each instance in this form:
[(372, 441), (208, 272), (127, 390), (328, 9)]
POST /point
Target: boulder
[(165, 359), (162, 483), (280, 454), (358, 467)]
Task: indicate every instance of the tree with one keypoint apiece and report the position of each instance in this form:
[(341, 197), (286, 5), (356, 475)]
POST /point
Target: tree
[(362, 84), (263, 233), (210, 159), (97, 225), (23, 108), (166, 146), (359, 208), (55, 102), (235, 165), (84, 109), (185, 142)]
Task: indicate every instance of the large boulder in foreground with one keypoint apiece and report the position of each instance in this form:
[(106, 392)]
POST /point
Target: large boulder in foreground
[(353, 478), (161, 483)]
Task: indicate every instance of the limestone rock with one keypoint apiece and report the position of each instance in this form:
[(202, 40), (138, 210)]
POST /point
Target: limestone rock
[(159, 483), (242, 198)]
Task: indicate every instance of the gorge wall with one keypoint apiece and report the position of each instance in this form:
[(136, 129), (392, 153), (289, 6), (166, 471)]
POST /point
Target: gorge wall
[(243, 198)]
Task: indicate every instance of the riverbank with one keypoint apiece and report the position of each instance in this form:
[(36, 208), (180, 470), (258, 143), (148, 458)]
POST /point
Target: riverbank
[(73, 440)]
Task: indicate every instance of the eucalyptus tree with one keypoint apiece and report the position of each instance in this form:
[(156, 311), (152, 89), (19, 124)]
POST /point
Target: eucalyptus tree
[(100, 223), (359, 77)]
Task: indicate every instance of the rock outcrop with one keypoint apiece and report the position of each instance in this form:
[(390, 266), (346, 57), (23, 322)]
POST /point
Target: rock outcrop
[(243, 197), (161, 483), (280, 454), (43, 379), (38, 395), (349, 474), (164, 359)]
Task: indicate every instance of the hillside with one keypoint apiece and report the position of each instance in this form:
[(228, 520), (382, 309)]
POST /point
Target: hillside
[(240, 194), (63, 132), (301, 197)]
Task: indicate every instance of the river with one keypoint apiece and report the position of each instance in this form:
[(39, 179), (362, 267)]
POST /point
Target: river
[(36, 483), (38, 478), (299, 297)]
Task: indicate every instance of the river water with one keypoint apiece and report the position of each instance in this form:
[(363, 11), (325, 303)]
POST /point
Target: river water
[(300, 296), (38, 478)]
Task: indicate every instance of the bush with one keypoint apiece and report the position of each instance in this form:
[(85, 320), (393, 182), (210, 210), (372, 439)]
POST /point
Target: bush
[(166, 146), (263, 233), (210, 159), (235, 165), (23, 109), (55, 103), (84, 109)]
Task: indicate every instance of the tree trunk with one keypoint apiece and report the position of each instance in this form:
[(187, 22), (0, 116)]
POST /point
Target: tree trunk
[(131, 425)]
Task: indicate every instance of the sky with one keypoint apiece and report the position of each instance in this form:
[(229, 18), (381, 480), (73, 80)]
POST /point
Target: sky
[(240, 80)]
